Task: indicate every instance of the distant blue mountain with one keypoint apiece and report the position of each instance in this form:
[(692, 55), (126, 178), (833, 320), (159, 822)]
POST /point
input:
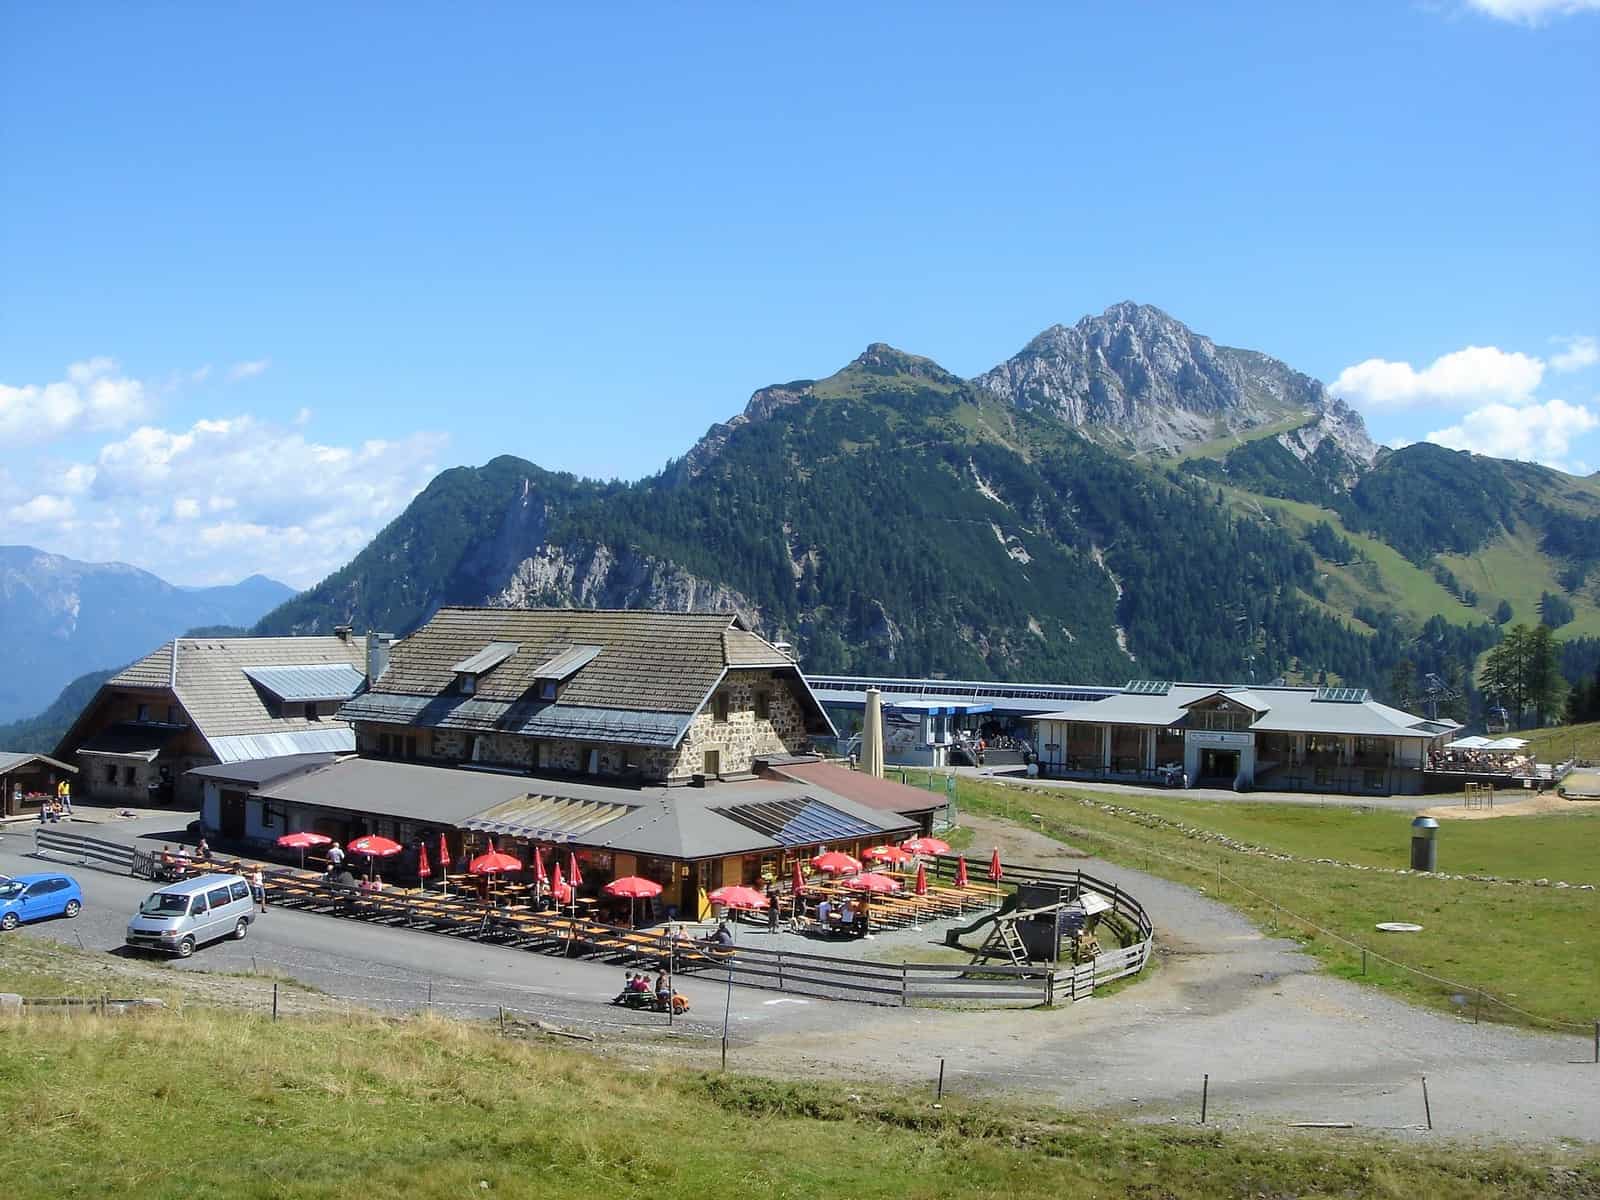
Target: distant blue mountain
[(60, 618)]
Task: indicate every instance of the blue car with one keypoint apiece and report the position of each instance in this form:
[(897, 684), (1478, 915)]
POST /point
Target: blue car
[(34, 897)]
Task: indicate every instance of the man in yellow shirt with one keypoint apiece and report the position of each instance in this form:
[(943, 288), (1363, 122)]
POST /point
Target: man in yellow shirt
[(64, 795)]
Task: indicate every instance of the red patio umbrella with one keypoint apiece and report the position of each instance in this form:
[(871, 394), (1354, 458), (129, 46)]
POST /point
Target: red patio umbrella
[(574, 875), (835, 862), (494, 863), (799, 880), (872, 882), (996, 872), (538, 867), (635, 889), (444, 860), (302, 842), (961, 871), (738, 896), (922, 880), (375, 847), (423, 869), (925, 845), (893, 855)]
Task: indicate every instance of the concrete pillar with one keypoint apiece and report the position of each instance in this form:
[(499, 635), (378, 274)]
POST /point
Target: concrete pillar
[(1348, 750), (1105, 746), (1149, 749)]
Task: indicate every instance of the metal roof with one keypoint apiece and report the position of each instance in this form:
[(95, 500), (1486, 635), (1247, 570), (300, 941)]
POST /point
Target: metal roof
[(131, 740), (800, 822), (335, 738), (407, 791), (258, 772), (310, 681), (567, 662), (529, 718), (10, 760), (489, 657)]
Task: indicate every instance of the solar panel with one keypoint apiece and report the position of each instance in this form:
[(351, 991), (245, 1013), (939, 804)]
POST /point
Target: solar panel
[(1148, 687), (799, 822), (1342, 695)]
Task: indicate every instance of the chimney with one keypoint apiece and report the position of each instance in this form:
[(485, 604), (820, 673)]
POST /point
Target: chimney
[(172, 667), (343, 632), (377, 655)]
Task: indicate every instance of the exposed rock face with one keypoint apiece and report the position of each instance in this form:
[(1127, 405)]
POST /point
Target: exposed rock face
[(1337, 426), (1136, 375), (589, 575), (761, 406)]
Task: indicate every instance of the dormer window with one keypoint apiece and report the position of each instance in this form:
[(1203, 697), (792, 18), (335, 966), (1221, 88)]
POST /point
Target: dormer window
[(467, 685), (547, 690)]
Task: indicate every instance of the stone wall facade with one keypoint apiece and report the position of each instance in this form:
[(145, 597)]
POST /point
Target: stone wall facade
[(737, 740)]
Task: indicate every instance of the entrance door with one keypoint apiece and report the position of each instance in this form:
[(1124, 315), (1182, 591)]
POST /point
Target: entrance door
[(713, 763), (689, 900), (1219, 764), (233, 814)]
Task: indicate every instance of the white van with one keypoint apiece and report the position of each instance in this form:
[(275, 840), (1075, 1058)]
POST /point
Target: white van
[(192, 912)]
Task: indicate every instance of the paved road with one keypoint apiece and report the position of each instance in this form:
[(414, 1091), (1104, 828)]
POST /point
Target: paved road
[(1280, 1040)]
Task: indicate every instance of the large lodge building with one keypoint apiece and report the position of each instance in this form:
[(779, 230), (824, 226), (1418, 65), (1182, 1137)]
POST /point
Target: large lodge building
[(669, 745)]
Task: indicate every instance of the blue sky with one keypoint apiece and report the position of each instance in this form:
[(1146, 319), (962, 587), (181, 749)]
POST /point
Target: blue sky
[(264, 269)]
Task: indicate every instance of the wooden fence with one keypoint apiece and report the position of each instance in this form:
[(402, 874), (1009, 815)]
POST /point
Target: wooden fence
[(792, 972)]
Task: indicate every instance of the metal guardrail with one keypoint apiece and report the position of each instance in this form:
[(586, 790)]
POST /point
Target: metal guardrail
[(88, 851)]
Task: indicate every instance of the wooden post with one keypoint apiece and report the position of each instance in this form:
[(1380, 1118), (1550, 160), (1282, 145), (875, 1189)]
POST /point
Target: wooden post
[(274, 1001), (939, 1095), (904, 984), (1427, 1108), (503, 1019), (1477, 1006), (1205, 1096), (1597, 1041), (1363, 960)]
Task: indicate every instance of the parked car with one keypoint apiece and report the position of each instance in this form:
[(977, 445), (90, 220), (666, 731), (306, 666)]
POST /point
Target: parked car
[(191, 913), (35, 897)]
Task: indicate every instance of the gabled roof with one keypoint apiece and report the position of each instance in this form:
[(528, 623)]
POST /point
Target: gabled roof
[(629, 676), (13, 760), (1241, 696), (210, 679)]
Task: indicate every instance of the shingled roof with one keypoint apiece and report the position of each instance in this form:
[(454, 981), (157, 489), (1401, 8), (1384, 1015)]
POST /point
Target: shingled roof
[(209, 678), (625, 675)]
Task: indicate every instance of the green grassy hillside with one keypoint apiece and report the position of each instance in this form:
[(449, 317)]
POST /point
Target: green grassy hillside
[(223, 1104)]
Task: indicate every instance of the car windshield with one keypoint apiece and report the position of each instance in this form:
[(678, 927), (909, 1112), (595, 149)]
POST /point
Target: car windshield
[(10, 889), (164, 904)]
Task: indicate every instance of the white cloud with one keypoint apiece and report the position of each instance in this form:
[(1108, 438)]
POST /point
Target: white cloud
[(248, 370), (226, 497), (42, 510), (1532, 12), (1582, 351), (93, 396), (1474, 375), (1532, 432)]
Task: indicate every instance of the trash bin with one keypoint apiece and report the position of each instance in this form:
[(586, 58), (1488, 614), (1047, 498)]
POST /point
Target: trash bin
[(1424, 847)]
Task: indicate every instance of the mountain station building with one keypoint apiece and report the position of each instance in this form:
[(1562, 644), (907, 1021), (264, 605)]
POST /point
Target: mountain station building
[(674, 746), (1332, 739)]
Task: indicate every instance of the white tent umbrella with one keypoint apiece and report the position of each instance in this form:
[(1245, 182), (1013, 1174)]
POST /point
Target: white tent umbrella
[(1469, 743)]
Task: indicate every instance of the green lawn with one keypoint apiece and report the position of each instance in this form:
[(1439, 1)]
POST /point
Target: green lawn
[(1563, 846), (1534, 948), (1511, 568), (1561, 742), (215, 1103)]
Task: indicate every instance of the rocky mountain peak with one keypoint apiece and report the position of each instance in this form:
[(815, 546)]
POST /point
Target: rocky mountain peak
[(1138, 377)]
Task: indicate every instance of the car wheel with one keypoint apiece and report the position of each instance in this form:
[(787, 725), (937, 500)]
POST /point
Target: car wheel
[(186, 947), (9, 921), (72, 909), (239, 930)]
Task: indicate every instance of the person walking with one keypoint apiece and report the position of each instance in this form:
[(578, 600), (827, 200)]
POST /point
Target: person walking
[(258, 885), (335, 857), (772, 907)]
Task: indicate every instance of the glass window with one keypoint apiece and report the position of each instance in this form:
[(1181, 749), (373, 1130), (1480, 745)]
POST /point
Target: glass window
[(547, 690), (239, 891), (719, 707), (197, 906), (218, 897), (144, 712), (763, 706)]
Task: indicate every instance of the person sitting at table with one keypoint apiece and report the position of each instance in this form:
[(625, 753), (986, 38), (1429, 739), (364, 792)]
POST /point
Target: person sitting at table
[(343, 878), (847, 914), (203, 850), (722, 936), (824, 911)]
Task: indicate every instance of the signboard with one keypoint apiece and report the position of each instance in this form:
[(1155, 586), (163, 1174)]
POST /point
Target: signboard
[(1230, 741)]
